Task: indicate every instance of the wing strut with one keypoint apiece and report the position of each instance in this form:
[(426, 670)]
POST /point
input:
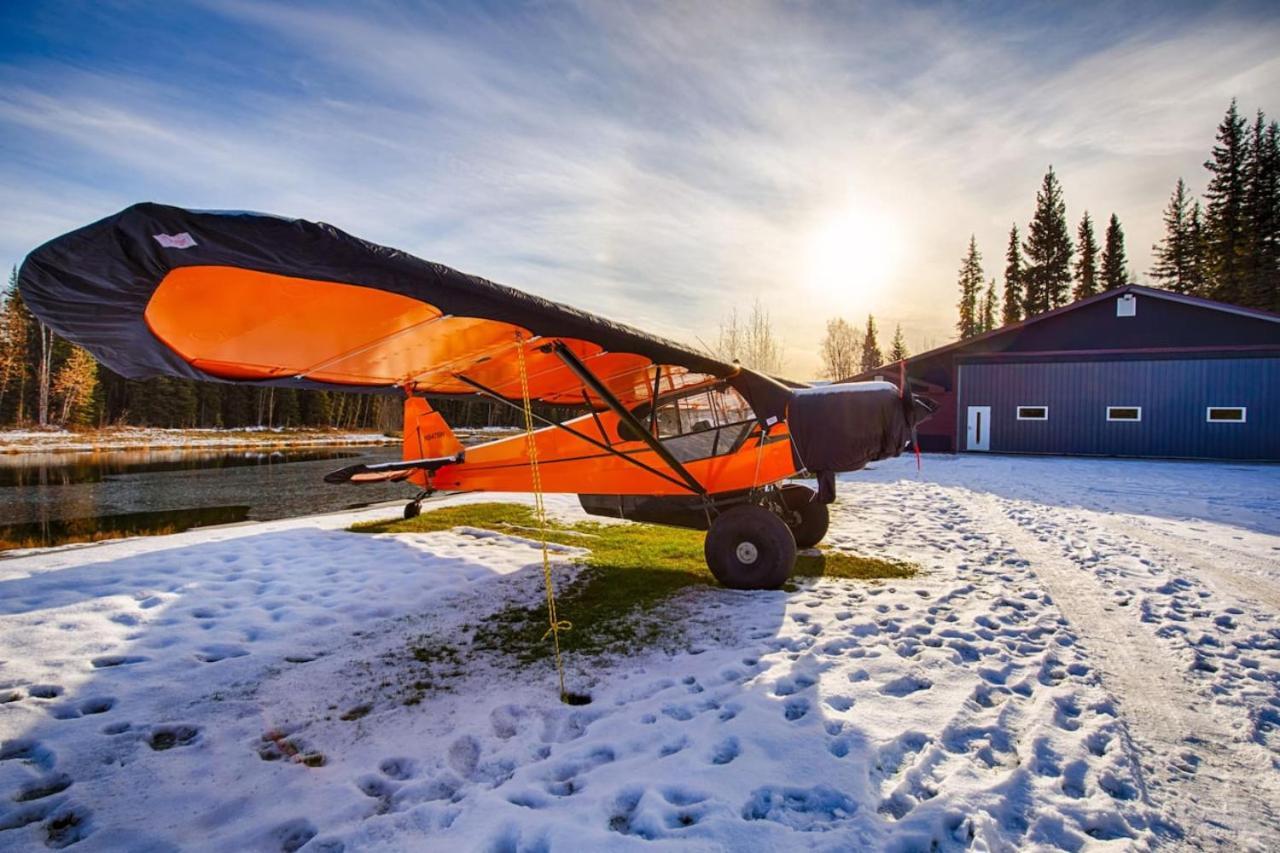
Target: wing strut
[(498, 398), (601, 390)]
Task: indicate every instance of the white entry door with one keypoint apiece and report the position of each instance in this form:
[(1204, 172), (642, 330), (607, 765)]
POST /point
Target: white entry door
[(979, 433)]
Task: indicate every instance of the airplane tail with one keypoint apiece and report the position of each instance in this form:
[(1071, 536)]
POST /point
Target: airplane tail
[(426, 435)]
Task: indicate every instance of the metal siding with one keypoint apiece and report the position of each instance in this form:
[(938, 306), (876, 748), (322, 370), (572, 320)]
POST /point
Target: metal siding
[(1173, 395)]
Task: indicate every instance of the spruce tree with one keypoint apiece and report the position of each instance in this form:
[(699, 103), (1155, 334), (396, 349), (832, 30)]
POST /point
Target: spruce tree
[(1262, 210), (1115, 272), (871, 355), (1087, 263), (1226, 222), (1174, 255), (1197, 246), (315, 408), (209, 404), (1047, 282), (288, 409), (970, 281), (898, 349), (1012, 279), (988, 306)]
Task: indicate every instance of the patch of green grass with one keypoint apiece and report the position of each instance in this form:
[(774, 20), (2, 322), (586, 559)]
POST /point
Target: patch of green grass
[(614, 602)]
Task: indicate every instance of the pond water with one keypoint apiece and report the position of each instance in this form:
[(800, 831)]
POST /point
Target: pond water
[(50, 498)]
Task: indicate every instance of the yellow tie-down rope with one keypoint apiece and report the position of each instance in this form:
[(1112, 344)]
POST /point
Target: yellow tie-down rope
[(540, 510)]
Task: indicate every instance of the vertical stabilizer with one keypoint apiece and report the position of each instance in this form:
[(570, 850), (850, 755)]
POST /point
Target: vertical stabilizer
[(426, 435)]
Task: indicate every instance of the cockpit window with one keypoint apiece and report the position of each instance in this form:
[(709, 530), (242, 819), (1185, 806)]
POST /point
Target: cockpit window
[(701, 411)]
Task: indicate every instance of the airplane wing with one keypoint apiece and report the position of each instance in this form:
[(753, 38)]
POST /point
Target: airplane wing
[(247, 297)]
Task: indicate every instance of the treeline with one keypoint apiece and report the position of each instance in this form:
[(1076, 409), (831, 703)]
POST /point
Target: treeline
[(47, 381), (1227, 248), (847, 351)]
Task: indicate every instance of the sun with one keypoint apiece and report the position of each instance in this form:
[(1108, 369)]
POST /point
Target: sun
[(853, 254)]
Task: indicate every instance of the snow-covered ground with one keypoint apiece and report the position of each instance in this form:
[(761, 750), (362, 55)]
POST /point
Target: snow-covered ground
[(1090, 659), (123, 438)]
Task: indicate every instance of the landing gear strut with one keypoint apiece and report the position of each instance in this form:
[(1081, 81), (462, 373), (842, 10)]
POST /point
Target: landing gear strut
[(414, 507)]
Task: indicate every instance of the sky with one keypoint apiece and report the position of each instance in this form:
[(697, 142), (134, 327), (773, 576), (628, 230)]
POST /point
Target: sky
[(657, 163)]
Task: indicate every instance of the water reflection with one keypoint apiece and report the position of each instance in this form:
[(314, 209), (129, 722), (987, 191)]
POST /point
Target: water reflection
[(37, 534), (51, 498), (52, 469)]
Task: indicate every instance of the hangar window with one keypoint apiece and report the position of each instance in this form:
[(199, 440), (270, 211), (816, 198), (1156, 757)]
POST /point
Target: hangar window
[(1124, 413), (1226, 414), (1033, 413)]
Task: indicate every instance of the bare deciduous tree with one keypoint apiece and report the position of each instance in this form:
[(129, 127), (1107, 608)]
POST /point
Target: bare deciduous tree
[(840, 348), (752, 341)]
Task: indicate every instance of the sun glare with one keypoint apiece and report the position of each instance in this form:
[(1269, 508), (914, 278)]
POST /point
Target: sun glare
[(852, 255)]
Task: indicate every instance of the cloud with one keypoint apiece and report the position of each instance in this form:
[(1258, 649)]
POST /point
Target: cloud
[(654, 164)]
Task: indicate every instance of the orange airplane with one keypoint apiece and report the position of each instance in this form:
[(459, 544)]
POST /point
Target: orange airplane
[(669, 435)]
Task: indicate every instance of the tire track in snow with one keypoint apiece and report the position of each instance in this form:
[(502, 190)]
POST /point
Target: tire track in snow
[(1232, 571), (1156, 699)]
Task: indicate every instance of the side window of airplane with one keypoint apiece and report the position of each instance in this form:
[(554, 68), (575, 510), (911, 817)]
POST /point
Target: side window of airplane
[(670, 420), (730, 406), (696, 426)]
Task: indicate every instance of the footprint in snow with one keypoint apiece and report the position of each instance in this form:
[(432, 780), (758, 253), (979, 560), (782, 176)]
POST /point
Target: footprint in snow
[(172, 736), (377, 788), (529, 800), (41, 788), (85, 707), (464, 756), (26, 749), (725, 750), (799, 808), (508, 720), (562, 780), (623, 818), (673, 746), (399, 769), (44, 691), (108, 661), (293, 834), (66, 826), (1073, 779), (840, 703), (906, 685), (796, 708)]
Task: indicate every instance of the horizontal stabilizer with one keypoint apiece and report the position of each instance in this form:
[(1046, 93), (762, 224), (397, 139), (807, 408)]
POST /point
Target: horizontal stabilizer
[(388, 472)]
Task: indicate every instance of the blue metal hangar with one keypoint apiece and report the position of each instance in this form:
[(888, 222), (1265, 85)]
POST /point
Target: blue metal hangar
[(1134, 371)]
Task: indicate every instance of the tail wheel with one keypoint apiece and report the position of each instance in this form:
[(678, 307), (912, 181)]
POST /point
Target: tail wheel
[(412, 509), (748, 547), (807, 516)]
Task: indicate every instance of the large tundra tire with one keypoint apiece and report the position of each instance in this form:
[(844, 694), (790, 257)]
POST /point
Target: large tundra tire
[(807, 516), (748, 547)]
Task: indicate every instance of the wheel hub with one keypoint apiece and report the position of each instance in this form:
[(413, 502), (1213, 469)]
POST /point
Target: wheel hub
[(747, 553)]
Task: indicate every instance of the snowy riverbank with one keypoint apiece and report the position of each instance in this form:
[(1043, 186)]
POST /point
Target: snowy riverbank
[(1089, 659)]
